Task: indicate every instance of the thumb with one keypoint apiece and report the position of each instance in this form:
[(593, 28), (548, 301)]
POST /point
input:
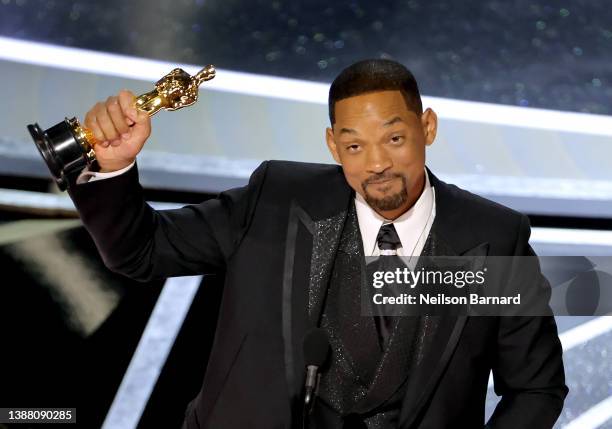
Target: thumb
[(142, 117), (142, 125)]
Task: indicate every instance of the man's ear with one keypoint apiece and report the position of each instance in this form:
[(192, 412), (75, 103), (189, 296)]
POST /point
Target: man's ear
[(331, 144), (429, 121)]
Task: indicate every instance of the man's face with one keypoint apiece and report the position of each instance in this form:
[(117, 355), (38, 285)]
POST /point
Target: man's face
[(380, 144)]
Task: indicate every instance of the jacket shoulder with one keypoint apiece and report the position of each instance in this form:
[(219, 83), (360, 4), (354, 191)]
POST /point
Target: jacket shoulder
[(475, 219), (302, 170), (320, 189), (304, 178), (477, 204)]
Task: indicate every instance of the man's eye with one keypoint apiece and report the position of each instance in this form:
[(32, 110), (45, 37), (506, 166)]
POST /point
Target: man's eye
[(352, 148), (397, 139)]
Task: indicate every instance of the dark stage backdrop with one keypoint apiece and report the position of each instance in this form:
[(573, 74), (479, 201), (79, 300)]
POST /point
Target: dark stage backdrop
[(69, 328)]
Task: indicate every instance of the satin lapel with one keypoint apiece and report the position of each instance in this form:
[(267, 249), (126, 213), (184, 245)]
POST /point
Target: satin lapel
[(446, 332), (310, 249)]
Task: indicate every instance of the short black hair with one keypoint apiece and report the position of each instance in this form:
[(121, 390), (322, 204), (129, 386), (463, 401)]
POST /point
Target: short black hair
[(375, 75)]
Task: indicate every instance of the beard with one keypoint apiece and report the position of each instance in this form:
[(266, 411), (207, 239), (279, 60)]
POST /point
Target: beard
[(390, 202)]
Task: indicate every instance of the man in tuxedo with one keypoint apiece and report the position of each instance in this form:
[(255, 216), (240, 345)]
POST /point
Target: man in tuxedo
[(291, 244)]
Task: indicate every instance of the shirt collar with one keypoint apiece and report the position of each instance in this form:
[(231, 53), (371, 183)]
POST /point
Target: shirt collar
[(408, 226)]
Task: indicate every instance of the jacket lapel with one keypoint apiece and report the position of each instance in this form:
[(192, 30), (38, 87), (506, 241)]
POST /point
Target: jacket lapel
[(313, 235)]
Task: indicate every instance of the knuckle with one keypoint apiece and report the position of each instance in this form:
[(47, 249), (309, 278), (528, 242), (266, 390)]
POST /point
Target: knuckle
[(111, 102), (102, 117), (102, 112), (113, 107), (91, 125), (125, 103), (87, 120)]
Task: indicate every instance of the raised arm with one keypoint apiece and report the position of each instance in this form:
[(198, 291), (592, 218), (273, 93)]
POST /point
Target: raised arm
[(133, 238)]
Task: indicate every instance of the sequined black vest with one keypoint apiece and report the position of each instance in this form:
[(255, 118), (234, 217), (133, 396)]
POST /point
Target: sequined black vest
[(361, 385)]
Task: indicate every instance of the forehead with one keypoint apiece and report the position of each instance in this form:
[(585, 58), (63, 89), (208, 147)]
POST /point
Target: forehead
[(372, 105)]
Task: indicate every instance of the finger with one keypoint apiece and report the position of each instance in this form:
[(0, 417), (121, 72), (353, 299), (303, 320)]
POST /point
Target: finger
[(106, 123), (126, 101), (142, 117), (115, 143), (116, 114), (91, 124), (142, 128)]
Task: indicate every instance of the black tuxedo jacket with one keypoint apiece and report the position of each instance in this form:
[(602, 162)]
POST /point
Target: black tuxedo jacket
[(266, 238)]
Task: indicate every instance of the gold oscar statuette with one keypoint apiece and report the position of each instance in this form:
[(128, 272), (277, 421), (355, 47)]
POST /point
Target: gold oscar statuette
[(67, 147)]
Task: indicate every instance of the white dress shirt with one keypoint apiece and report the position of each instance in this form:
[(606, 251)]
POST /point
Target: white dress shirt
[(412, 227)]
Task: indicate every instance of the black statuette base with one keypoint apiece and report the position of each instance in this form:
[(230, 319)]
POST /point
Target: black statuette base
[(61, 151)]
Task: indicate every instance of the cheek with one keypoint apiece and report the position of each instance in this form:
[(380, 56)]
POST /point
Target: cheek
[(354, 179), (351, 165), (410, 156), (353, 175)]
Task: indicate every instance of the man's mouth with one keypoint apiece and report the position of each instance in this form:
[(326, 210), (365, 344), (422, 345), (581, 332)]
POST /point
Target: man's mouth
[(379, 182)]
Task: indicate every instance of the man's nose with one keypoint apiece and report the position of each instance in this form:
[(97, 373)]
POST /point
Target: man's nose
[(378, 160)]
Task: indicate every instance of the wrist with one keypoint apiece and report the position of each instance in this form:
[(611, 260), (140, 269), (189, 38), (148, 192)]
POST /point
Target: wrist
[(112, 167)]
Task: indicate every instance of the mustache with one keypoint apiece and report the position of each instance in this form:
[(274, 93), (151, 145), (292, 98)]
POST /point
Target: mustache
[(380, 178)]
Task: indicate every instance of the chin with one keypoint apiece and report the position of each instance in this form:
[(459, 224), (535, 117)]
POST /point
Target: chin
[(384, 191)]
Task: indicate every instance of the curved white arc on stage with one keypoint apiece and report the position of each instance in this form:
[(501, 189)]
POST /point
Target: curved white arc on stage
[(570, 236), (594, 417), (85, 60), (575, 241), (585, 332), (151, 353), (292, 89), (579, 335)]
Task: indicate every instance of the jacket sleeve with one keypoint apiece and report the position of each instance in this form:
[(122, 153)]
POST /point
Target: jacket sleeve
[(144, 244), (528, 372)]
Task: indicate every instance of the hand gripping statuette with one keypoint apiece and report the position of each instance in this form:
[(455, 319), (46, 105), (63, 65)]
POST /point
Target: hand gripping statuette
[(67, 147)]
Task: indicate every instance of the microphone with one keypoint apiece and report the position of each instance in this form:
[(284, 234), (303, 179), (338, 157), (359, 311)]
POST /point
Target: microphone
[(316, 349)]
